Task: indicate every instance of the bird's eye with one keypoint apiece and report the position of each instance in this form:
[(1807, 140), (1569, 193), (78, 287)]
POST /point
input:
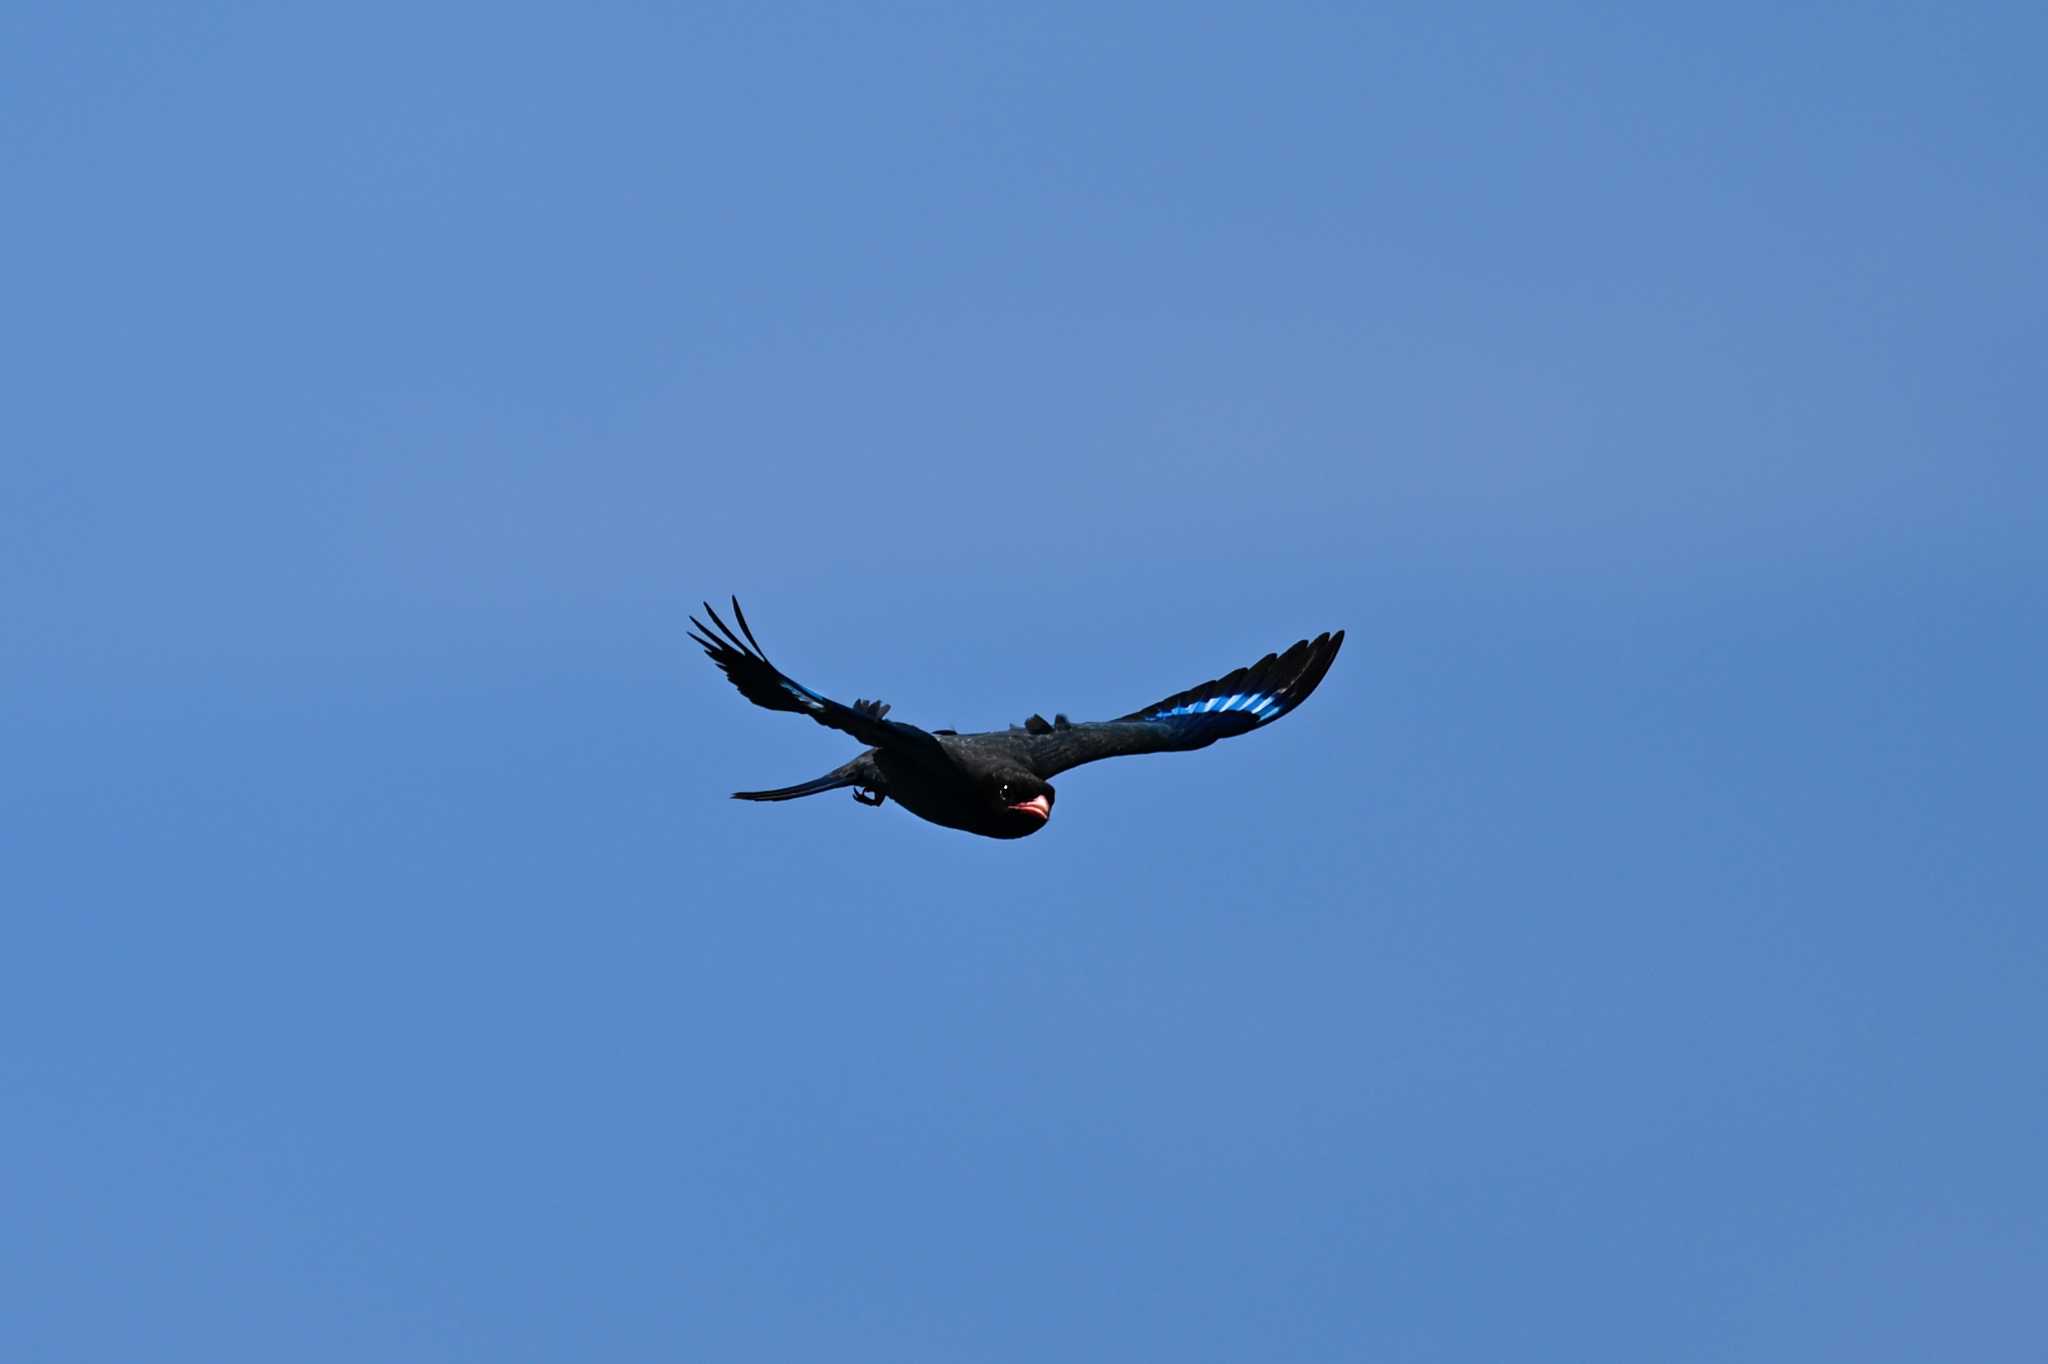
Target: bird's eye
[(1003, 791)]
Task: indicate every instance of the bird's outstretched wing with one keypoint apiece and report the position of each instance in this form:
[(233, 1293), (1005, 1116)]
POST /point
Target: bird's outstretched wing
[(1235, 703), (761, 682)]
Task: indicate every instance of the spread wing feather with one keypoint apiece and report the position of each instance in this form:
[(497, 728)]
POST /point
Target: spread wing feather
[(746, 664), (1235, 703)]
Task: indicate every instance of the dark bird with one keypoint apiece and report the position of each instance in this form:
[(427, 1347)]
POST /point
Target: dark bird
[(998, 784)]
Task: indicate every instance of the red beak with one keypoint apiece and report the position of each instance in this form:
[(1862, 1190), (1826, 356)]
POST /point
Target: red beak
[(1037, 805)]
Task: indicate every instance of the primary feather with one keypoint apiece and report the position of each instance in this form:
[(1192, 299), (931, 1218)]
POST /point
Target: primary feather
[(1235, 703)]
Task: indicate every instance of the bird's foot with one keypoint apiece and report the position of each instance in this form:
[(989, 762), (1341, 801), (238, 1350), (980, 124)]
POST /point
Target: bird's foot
[(868, 797)]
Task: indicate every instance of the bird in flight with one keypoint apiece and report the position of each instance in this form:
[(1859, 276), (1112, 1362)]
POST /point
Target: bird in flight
[(998, 784)]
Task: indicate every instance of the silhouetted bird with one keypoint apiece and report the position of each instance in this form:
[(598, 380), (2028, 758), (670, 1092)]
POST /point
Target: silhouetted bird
[(995, 784)]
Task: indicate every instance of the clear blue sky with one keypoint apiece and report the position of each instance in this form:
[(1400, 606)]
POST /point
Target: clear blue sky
[(1634, 952)]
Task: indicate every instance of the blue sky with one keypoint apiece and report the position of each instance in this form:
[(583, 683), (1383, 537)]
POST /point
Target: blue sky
[(1633, 951)]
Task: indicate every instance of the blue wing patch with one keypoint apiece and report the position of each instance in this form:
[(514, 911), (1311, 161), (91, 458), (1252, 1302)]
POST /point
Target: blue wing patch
[(811, 700), (1252, 703), (1236, 703), (1265, 691)]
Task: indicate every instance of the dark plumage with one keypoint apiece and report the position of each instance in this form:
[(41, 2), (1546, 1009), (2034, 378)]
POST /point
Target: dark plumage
[(997, 784)]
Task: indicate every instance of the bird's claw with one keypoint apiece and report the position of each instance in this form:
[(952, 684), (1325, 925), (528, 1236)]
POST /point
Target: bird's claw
[(866, 796)]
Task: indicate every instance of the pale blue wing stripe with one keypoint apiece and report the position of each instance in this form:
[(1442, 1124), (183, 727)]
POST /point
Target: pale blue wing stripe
[(1255, 703), (808, 697)]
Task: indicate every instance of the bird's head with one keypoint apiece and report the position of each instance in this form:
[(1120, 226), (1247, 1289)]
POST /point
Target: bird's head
[(1018, 803)]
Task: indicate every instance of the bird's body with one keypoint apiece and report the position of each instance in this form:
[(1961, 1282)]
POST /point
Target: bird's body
[(997, 783)]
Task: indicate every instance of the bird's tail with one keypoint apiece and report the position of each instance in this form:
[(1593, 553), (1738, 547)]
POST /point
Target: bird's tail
[(809, 788), (856, 773)]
